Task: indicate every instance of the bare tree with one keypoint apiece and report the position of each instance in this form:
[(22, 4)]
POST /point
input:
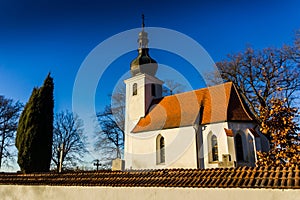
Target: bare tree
[(111, 135), (9, 115), (112, 122), (260, 75), (172, 87), (294, 50), (68, 139)]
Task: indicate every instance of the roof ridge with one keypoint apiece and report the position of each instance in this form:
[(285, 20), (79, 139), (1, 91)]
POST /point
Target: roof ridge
[(182, 109), (199, 89)]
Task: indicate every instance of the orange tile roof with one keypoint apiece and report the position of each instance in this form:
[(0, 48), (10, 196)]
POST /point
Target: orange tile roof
[(242, 177), (229, 132), (213, 104)]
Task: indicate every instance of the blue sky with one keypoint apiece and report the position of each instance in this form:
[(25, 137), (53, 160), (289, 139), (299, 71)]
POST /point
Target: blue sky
[(38, 36)]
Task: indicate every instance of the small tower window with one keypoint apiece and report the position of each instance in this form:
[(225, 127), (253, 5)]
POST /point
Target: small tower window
[(134, 89), (153, 90), (214, 145), (239, 148), (160, 150)]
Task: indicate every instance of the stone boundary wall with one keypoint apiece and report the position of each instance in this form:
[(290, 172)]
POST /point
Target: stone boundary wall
[(15, 192)]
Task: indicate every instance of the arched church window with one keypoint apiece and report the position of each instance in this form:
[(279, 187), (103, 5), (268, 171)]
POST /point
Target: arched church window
[(239, 147), (160, 149), (134, 89), (214, 145), (153, 90)]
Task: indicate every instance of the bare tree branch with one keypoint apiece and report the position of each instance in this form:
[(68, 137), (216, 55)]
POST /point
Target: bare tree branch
[(172, 87), (9, 115), (261, 75), (68, 131)]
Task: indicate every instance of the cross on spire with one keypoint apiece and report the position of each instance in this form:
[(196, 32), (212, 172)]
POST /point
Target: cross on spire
[(143, 36), (143, 20)]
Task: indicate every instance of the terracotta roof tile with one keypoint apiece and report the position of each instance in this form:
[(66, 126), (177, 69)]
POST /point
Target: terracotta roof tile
[(209, 105), (229, 132), (243, 177)]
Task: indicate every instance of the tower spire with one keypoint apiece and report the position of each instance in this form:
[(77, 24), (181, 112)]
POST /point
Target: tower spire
[(143, 36), (143, 21), (143, 63)]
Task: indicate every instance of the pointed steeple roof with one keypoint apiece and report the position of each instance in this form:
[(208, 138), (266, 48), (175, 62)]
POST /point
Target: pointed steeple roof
[(143, 63)]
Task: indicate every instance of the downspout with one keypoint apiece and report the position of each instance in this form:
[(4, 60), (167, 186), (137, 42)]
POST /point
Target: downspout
[(196, 127), (198, 137)]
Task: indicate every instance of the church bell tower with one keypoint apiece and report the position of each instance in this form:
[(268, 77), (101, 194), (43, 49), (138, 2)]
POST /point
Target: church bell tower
[(141, 88)]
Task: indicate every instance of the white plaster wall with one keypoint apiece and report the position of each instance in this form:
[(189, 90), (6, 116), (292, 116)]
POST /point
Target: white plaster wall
[(226, 144), (180, 149), (231, 147), (237, 127), (218, 130), (8, 192), (136, 107), (252, 143)]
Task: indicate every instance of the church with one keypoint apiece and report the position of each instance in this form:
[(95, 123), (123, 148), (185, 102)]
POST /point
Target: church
[(205, 128)]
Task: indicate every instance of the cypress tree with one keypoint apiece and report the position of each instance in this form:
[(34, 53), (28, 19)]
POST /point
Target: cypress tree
[(35, 130)]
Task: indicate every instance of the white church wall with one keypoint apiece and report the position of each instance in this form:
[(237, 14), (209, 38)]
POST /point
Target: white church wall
[(258, 143), (135, 104), (248, 140), (251, 148), (146, 193), (265, 145), (180, 149), (218, 130), (231, 147), (128, 151)]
